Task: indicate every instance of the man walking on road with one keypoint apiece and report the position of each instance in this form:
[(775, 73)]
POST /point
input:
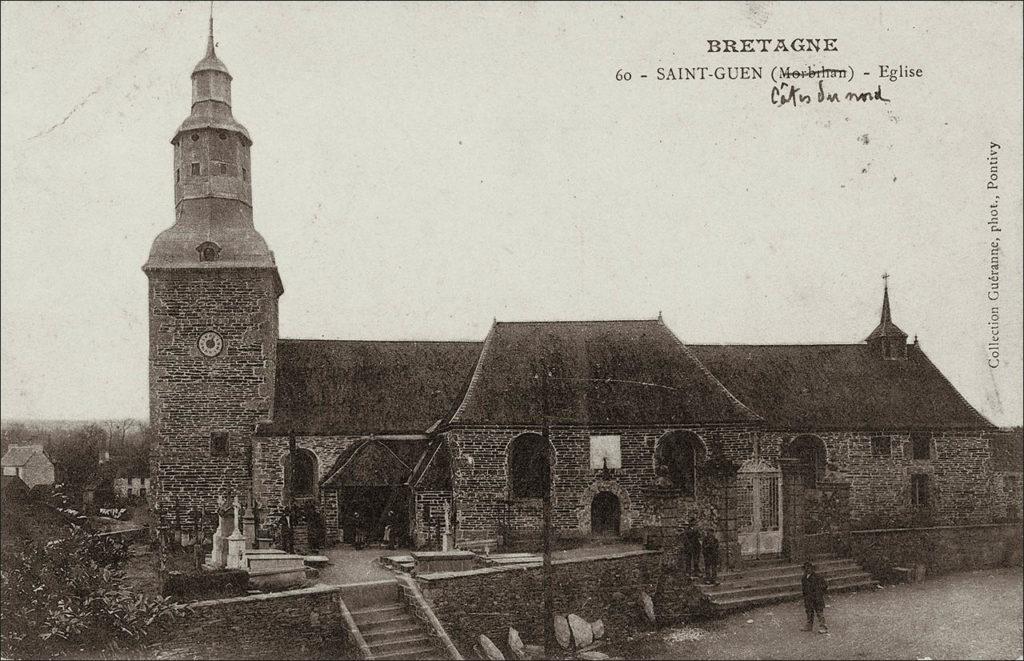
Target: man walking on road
[(814, 588)]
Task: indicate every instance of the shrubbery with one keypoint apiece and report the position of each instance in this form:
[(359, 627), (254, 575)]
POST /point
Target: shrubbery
[(70, 592)]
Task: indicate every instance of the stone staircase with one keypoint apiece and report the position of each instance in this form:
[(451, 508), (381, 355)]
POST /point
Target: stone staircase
[(387, 623), (770, 580)]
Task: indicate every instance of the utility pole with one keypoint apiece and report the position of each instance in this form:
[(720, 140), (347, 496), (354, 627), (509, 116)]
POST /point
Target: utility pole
[(549, 594)]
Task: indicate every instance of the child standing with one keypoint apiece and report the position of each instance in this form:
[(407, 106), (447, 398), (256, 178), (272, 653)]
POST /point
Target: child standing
[(814, 588)]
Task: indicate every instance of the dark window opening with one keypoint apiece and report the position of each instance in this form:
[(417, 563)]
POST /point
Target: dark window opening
[(195, 169), (676, 459), (302, 478), (921, 446), (208, 251), (245, 175), (529, 474), (177, 175), (219, 443), (810, 451), (919, 489), (223, 135), (223, 168), (195, 137), (881, 446)]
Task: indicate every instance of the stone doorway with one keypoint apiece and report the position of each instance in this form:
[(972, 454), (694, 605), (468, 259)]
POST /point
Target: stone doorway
[(605, 515)]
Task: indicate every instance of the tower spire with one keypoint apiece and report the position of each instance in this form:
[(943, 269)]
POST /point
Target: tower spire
[(209, 44), (886, 314)]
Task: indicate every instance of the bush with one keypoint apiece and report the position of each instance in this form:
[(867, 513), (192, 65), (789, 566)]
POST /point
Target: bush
[(69, 592)]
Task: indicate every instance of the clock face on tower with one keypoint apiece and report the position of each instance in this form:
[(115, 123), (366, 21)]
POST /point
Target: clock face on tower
[(211, 343)]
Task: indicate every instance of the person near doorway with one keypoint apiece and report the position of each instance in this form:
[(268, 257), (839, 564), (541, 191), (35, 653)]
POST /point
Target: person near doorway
[(814, 587), (691, 548), (710, 550), (358, 530), (391, 533)]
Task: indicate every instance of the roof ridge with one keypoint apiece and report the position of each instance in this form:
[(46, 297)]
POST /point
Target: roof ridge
[(787, 344), (320, 339), (580, 321), (714, 379)]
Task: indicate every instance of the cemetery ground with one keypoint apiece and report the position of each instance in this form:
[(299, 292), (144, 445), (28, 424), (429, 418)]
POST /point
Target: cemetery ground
[(958, 616)]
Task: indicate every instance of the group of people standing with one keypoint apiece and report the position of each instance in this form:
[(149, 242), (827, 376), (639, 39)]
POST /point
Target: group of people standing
[(697, 545)]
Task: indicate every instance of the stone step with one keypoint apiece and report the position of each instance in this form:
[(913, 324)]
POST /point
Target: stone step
[(784, 568), (757, 590), (388, 645), (424, 651), (362, 596), (736, 583), (377, 614), (787, 594), (398, 630), (398, 622)]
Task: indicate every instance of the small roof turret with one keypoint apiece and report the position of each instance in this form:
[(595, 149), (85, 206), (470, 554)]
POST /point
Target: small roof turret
[(885, 327)]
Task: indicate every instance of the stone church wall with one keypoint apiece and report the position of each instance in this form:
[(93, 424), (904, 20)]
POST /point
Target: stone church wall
[(481, 479), (962, 488), (269, 456), (193, 396)]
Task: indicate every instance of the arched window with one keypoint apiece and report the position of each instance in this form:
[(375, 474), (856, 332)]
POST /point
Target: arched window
[(810, 451), (676, 458), (301, 480), (208, 251), (529, 475)]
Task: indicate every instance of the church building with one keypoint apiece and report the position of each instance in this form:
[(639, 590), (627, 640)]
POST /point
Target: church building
[(631, 429)]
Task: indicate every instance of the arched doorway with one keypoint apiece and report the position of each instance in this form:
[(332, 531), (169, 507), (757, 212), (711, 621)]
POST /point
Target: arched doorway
[(809, 451), (676, 457), (605, 515)]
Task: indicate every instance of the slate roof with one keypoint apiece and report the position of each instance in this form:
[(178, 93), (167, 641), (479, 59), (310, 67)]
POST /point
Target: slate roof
[(839, 386), (621, 373), (19, 455), (335, 387)]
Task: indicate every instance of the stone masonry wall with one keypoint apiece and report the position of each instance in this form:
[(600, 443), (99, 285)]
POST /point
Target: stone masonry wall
[(268, 474), (481, 480), (299, 624), (191, 395), (962, 488), (489, 601)]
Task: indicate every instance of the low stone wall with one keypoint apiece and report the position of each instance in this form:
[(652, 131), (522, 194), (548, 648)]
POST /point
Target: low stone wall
[(941, 549), (490, 600), (302, 624)]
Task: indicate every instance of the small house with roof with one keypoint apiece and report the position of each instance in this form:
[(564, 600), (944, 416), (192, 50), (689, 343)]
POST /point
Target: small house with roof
[(28, 462)]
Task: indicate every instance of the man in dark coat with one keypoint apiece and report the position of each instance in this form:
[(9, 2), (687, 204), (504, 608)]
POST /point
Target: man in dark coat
[(710, 548), (691, 548), (814, 588)]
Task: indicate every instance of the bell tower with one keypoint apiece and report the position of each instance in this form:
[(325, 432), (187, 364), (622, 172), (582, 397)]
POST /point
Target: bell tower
[(213, 315), (887, 340)]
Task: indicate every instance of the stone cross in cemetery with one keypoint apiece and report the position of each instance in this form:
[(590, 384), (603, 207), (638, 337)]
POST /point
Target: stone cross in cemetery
[(236, 542), (220, 538)]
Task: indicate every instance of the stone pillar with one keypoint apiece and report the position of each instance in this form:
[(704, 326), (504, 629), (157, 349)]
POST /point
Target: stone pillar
[(792, 509), (218, 555), (236, 542)]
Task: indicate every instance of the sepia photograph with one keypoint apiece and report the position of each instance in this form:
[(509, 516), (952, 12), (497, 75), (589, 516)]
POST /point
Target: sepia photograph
[(511, 330)]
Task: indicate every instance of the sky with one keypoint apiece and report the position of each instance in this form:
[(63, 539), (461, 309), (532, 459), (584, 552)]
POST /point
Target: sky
[(422, 169)]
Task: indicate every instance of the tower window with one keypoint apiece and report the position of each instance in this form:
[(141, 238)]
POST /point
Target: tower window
[(195, 169), (223, 168), (920, 446), (177, 175), (223, 135), (219, 444), (208, 251), (919, 489), (195, 137), (245, 174)]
